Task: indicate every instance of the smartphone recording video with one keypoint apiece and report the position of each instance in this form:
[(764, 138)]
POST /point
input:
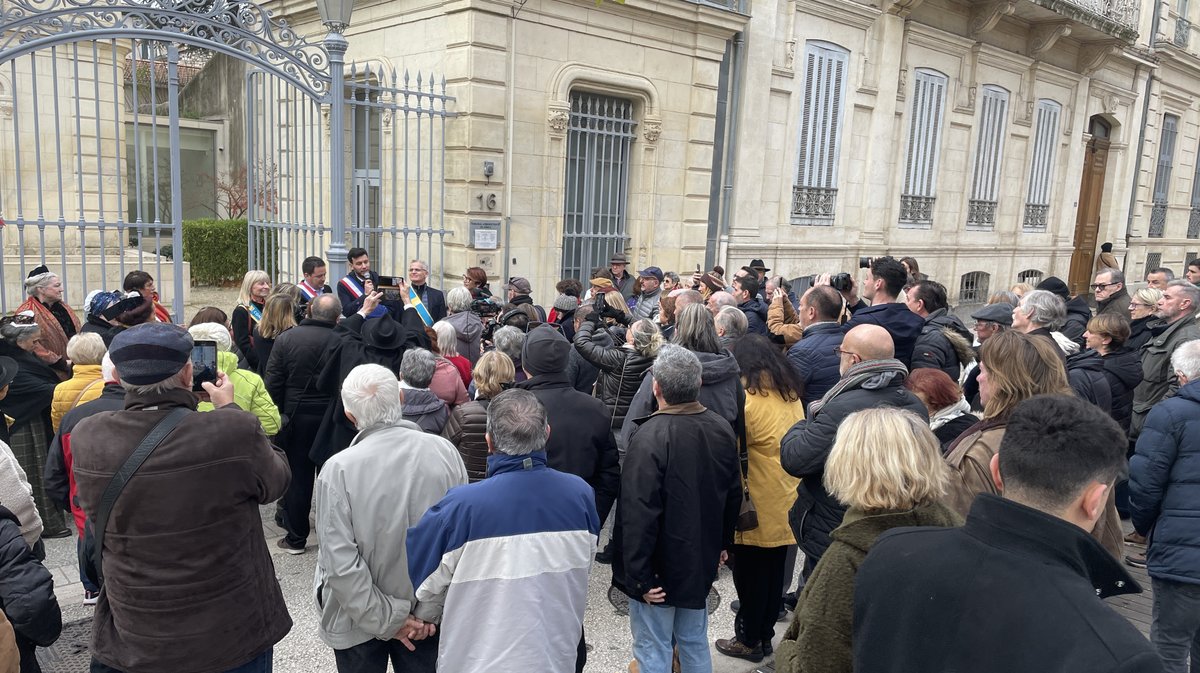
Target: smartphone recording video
[(390, 287), (204, 364)]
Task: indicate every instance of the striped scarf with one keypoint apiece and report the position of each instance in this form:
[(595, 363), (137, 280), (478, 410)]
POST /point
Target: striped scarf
[(871, 374)]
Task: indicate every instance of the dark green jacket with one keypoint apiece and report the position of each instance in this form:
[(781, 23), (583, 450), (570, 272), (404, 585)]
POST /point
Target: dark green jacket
[(818, 641)]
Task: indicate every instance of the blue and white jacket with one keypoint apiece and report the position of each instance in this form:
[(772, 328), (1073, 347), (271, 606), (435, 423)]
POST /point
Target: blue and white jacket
[(514, 549)]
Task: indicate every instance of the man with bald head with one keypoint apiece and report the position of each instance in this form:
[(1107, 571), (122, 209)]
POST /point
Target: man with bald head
[(718, 301), (871, 377)]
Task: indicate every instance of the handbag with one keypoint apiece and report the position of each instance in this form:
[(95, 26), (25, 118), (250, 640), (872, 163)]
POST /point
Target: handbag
[(92, 545), (748, 514)]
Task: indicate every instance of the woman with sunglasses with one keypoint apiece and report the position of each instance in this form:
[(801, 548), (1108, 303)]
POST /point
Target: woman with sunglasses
[(1141, 314), (57, 320), (28, 403)]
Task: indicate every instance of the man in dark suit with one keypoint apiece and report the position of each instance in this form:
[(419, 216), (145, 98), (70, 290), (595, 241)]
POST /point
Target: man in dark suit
[(313, 283), (358, 283), (434, 300)]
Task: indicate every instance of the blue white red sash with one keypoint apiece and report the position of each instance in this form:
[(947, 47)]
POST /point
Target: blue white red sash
[(309, 291), (353, 285)]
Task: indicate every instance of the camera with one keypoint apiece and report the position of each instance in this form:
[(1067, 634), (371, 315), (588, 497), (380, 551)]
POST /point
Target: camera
[(865, 262), (842, 282)]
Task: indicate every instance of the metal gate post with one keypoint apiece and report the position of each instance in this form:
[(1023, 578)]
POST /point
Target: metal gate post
[(336, 46), (176, 182)]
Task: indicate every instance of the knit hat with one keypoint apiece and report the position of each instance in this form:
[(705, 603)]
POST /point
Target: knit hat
[(150, 353), (713, 285), (545, 351), (211, 331), (1056, 285), (1106, 247), (565, 302)]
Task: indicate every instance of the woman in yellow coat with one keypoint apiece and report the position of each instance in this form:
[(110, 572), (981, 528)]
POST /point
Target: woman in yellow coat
[(758, 557), (86, 352)]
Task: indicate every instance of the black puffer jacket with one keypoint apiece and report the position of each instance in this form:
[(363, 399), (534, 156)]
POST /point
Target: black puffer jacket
[(465, 429), (621, 372), (1085, 372), (26, 587), (806, 447), (293, 367), (944, 343), (1123, 369), (1078, 315), (719, 383)]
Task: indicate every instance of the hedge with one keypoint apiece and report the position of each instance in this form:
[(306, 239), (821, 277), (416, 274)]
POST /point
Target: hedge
[(216, 249)]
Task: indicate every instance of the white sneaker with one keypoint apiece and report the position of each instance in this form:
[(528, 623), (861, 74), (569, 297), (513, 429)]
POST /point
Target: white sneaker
[(90, 597)]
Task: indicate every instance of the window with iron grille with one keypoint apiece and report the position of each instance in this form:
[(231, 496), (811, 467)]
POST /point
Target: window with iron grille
[(925, 121), (1041, 169), (1183, 27), (599, 139), (1162, 176), (814, 195), (1193, 230), (989, 151), (973, 288), (1189, 258), (1153, 261), (1030, 276)]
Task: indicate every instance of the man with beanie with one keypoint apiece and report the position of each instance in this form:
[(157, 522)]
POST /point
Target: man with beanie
[(581, 441), (189, 583), (1078, 311)]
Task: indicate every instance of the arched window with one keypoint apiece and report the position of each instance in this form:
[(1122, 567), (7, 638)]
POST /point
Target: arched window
[(1030, 276), (974, 287)]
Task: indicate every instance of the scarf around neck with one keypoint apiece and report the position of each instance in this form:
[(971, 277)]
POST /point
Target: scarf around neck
[(871, 375)]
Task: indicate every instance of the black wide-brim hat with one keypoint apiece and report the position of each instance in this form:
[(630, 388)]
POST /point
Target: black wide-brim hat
[(8, 371), (758, 265), (383, 333)]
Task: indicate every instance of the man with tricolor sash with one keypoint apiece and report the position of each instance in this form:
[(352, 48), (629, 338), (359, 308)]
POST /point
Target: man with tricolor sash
[(358, 283), (313, 283)]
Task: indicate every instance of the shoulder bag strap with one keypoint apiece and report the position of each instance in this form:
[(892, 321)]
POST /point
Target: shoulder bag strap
[(117, 484), (84, 392), (739, 426)]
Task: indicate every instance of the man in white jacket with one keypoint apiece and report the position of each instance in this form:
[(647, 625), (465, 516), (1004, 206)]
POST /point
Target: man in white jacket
[(367, 498)]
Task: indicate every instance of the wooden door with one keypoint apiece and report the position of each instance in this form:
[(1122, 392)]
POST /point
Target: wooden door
[(1087, 219)]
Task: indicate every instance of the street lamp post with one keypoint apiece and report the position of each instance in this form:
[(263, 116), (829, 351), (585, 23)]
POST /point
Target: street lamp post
[(335, 14)]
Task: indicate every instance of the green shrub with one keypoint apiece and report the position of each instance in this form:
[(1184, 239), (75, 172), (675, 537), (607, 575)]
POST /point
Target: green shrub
[(216, 249)]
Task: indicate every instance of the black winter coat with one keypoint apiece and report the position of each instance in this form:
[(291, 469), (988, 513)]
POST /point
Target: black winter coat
[(934, 349), (1139, 333), (581, 437), (291, 373), (904, 326), (951, 429), (806, 447), (620, 375), (243, 335), (1123, 369), (466, 429), (1007, 560), (1085, 372), (434, 301), (1078, 315), (97, 325), (756, 316), (680, 496), (26, 587), (720, 378), (30, 393)]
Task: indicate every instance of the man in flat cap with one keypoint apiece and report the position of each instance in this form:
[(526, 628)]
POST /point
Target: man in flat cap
[(184, 559), (990, 320)]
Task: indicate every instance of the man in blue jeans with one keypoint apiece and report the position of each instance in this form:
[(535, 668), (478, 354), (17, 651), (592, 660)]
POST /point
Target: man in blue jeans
[(1164, 502), (672, 543)]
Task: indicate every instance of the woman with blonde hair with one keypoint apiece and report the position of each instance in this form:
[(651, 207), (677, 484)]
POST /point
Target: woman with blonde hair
[(1141, 314), (467, 424), (252, 300), (1021, 289), (278, 316), (886, 467), (622, 367), (86, 352)]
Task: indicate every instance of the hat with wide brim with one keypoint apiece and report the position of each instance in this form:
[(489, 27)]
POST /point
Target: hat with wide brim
[(8, 371), (383, 333), (618, 258), (758, 265)]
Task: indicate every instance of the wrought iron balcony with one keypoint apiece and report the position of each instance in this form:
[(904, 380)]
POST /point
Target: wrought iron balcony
[(1158, 220), (916, 211), (981, 214), (813, 205), (1194, 223), (1036, 216), (1183, 32), (1089, 20)]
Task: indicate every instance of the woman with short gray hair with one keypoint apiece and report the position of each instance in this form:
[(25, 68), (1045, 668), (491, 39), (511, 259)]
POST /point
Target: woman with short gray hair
[(421, 405), (1039, 314), (57, 320), (468, 328), (27, 402)]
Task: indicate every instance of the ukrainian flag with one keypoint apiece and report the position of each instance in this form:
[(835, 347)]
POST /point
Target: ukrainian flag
[(415, 303)]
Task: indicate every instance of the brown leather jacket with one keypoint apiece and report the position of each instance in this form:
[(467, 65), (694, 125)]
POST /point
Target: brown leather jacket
[(185, 559), (971, 474), (783, 321)]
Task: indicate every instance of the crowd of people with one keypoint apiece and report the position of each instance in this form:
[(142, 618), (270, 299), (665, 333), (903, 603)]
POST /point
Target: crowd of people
[(466, 451)]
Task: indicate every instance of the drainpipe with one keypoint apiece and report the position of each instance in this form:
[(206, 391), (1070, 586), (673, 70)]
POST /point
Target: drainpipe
[(509, 127), (1137, 160), (718, 159), (729, 151)]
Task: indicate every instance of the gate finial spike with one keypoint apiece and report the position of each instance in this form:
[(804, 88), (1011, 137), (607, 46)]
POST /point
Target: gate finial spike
[(406, 78)]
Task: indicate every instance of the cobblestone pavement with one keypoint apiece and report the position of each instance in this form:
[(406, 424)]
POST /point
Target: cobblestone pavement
[(302, 650)]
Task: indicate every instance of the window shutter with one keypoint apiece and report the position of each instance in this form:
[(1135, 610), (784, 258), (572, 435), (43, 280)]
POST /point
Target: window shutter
[(1041, 168), (815, 191), (989, 153), (1162, 176), (926, 119)]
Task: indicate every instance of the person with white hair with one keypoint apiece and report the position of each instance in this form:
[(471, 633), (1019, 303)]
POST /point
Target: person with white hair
[(468, 328), (421, 405), (1164, 496), (52, 314), (368, 497), (85, 351), (513, 550), (250, 393), (451, 372)]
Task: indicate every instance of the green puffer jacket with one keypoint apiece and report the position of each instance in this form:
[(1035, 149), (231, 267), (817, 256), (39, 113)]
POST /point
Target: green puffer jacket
[(818, 640), (249, 392)]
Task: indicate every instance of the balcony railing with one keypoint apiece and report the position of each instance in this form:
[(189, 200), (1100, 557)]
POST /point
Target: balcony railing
[(1183, 32), (1158, 220), (1036, 216), (981, 214), (916, 211), (1123, 13), (813, 205)]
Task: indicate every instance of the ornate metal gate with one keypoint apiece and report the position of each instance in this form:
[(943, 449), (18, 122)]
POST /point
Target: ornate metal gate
[(102, 155)]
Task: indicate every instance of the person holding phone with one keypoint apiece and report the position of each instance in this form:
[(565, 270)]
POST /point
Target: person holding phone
[(211, 356), (359, 282)]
